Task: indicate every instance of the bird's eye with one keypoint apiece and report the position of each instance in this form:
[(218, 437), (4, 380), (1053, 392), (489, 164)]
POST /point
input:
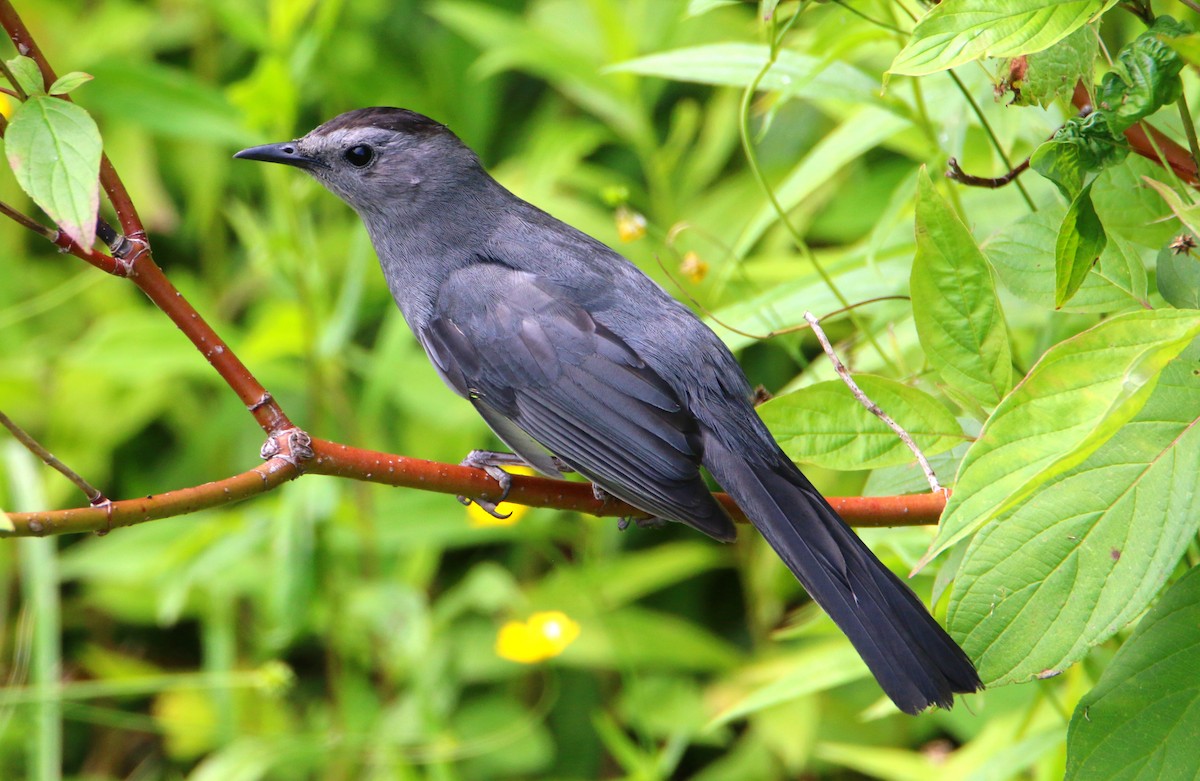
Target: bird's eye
[(359, 156)]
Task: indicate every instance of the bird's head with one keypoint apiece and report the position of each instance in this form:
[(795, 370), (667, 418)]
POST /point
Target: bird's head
[(376, 158)]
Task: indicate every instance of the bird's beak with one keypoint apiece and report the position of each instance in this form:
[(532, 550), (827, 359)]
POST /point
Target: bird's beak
[(285, 153)]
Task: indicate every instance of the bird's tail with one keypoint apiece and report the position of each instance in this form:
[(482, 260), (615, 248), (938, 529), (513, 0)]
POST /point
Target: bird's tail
[(912, 657)]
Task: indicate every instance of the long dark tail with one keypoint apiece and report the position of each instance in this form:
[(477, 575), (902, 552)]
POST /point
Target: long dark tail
[(912, 657)]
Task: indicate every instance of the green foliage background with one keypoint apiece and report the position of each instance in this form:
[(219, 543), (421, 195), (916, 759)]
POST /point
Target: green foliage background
[(342, 631)]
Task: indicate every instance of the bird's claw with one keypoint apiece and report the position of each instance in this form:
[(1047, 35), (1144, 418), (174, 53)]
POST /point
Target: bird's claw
[(488, 507), (487, 461)]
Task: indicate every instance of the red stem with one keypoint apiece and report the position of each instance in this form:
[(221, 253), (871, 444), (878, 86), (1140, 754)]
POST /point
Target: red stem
[(335, 459)]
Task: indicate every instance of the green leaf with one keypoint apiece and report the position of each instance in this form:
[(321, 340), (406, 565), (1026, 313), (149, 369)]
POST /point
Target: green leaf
[(1080, 393), (959, 31), (54, 149), (1142, 718), (824, 424), (1081, 146), (69, 82), (1188, 213), (1052, 74), (738, 64), (1084, 555), (957, 314), (819, 667), (1080, 241), (1023, 256), (1128, 207), (1178, 278), (27, 75), (1144, 78)]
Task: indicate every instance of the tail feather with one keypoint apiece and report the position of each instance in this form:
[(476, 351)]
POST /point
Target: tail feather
[(916, 663)]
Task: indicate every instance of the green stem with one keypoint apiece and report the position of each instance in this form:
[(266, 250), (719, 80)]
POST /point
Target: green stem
[(776, 38), (991, 134), (1189, 128)]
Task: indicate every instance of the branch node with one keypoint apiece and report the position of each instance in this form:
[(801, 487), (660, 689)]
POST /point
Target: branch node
[(293, 446), (872, 407), (262, 401)]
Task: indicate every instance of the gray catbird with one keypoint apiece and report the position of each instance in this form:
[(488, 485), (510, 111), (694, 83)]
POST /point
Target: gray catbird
[(566, 348)]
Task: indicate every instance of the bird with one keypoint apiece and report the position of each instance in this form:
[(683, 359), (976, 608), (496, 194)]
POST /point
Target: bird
[(576, 359)]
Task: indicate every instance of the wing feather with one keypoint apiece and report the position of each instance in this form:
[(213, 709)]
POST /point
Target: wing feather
[(520, 348)]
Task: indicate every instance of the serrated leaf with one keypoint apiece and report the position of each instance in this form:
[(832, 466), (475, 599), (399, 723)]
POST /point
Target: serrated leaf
[(1084, 555), (54, 149), (27, 75), (69, 82), (1178, 278), (824, 424), (1080, 241), (1053, 73), (1145, 76), (1142, 718), (958, 317), (1081, 146), (959, 31), (1072, 401)]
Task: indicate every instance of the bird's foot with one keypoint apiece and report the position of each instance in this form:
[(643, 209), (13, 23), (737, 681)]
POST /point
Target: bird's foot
[(650, 522), (490, 462)]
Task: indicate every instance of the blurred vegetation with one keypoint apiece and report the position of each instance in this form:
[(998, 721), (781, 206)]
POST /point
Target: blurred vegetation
[(336, 630)]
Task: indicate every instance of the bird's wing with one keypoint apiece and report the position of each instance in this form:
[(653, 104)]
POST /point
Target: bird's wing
[(519, 347)]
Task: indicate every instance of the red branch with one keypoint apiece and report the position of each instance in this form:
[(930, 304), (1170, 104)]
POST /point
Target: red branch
[(332, 458), (133, 260), (1179, 158)]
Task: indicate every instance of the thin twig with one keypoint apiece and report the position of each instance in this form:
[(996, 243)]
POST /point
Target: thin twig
[(991, 134), (791, 329), (28, 222), (95, 498), (871, 406), (957, 174)]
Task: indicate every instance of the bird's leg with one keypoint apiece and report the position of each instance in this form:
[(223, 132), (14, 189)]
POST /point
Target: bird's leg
[(490, 462), (649, 522)]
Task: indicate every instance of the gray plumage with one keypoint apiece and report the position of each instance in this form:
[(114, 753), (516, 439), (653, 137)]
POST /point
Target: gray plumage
[(565, 347)]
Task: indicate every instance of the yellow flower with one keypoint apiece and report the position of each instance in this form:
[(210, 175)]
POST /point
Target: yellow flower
[(693, 267), (544, 636), (6, 106), (479, 518), (631, 226)]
